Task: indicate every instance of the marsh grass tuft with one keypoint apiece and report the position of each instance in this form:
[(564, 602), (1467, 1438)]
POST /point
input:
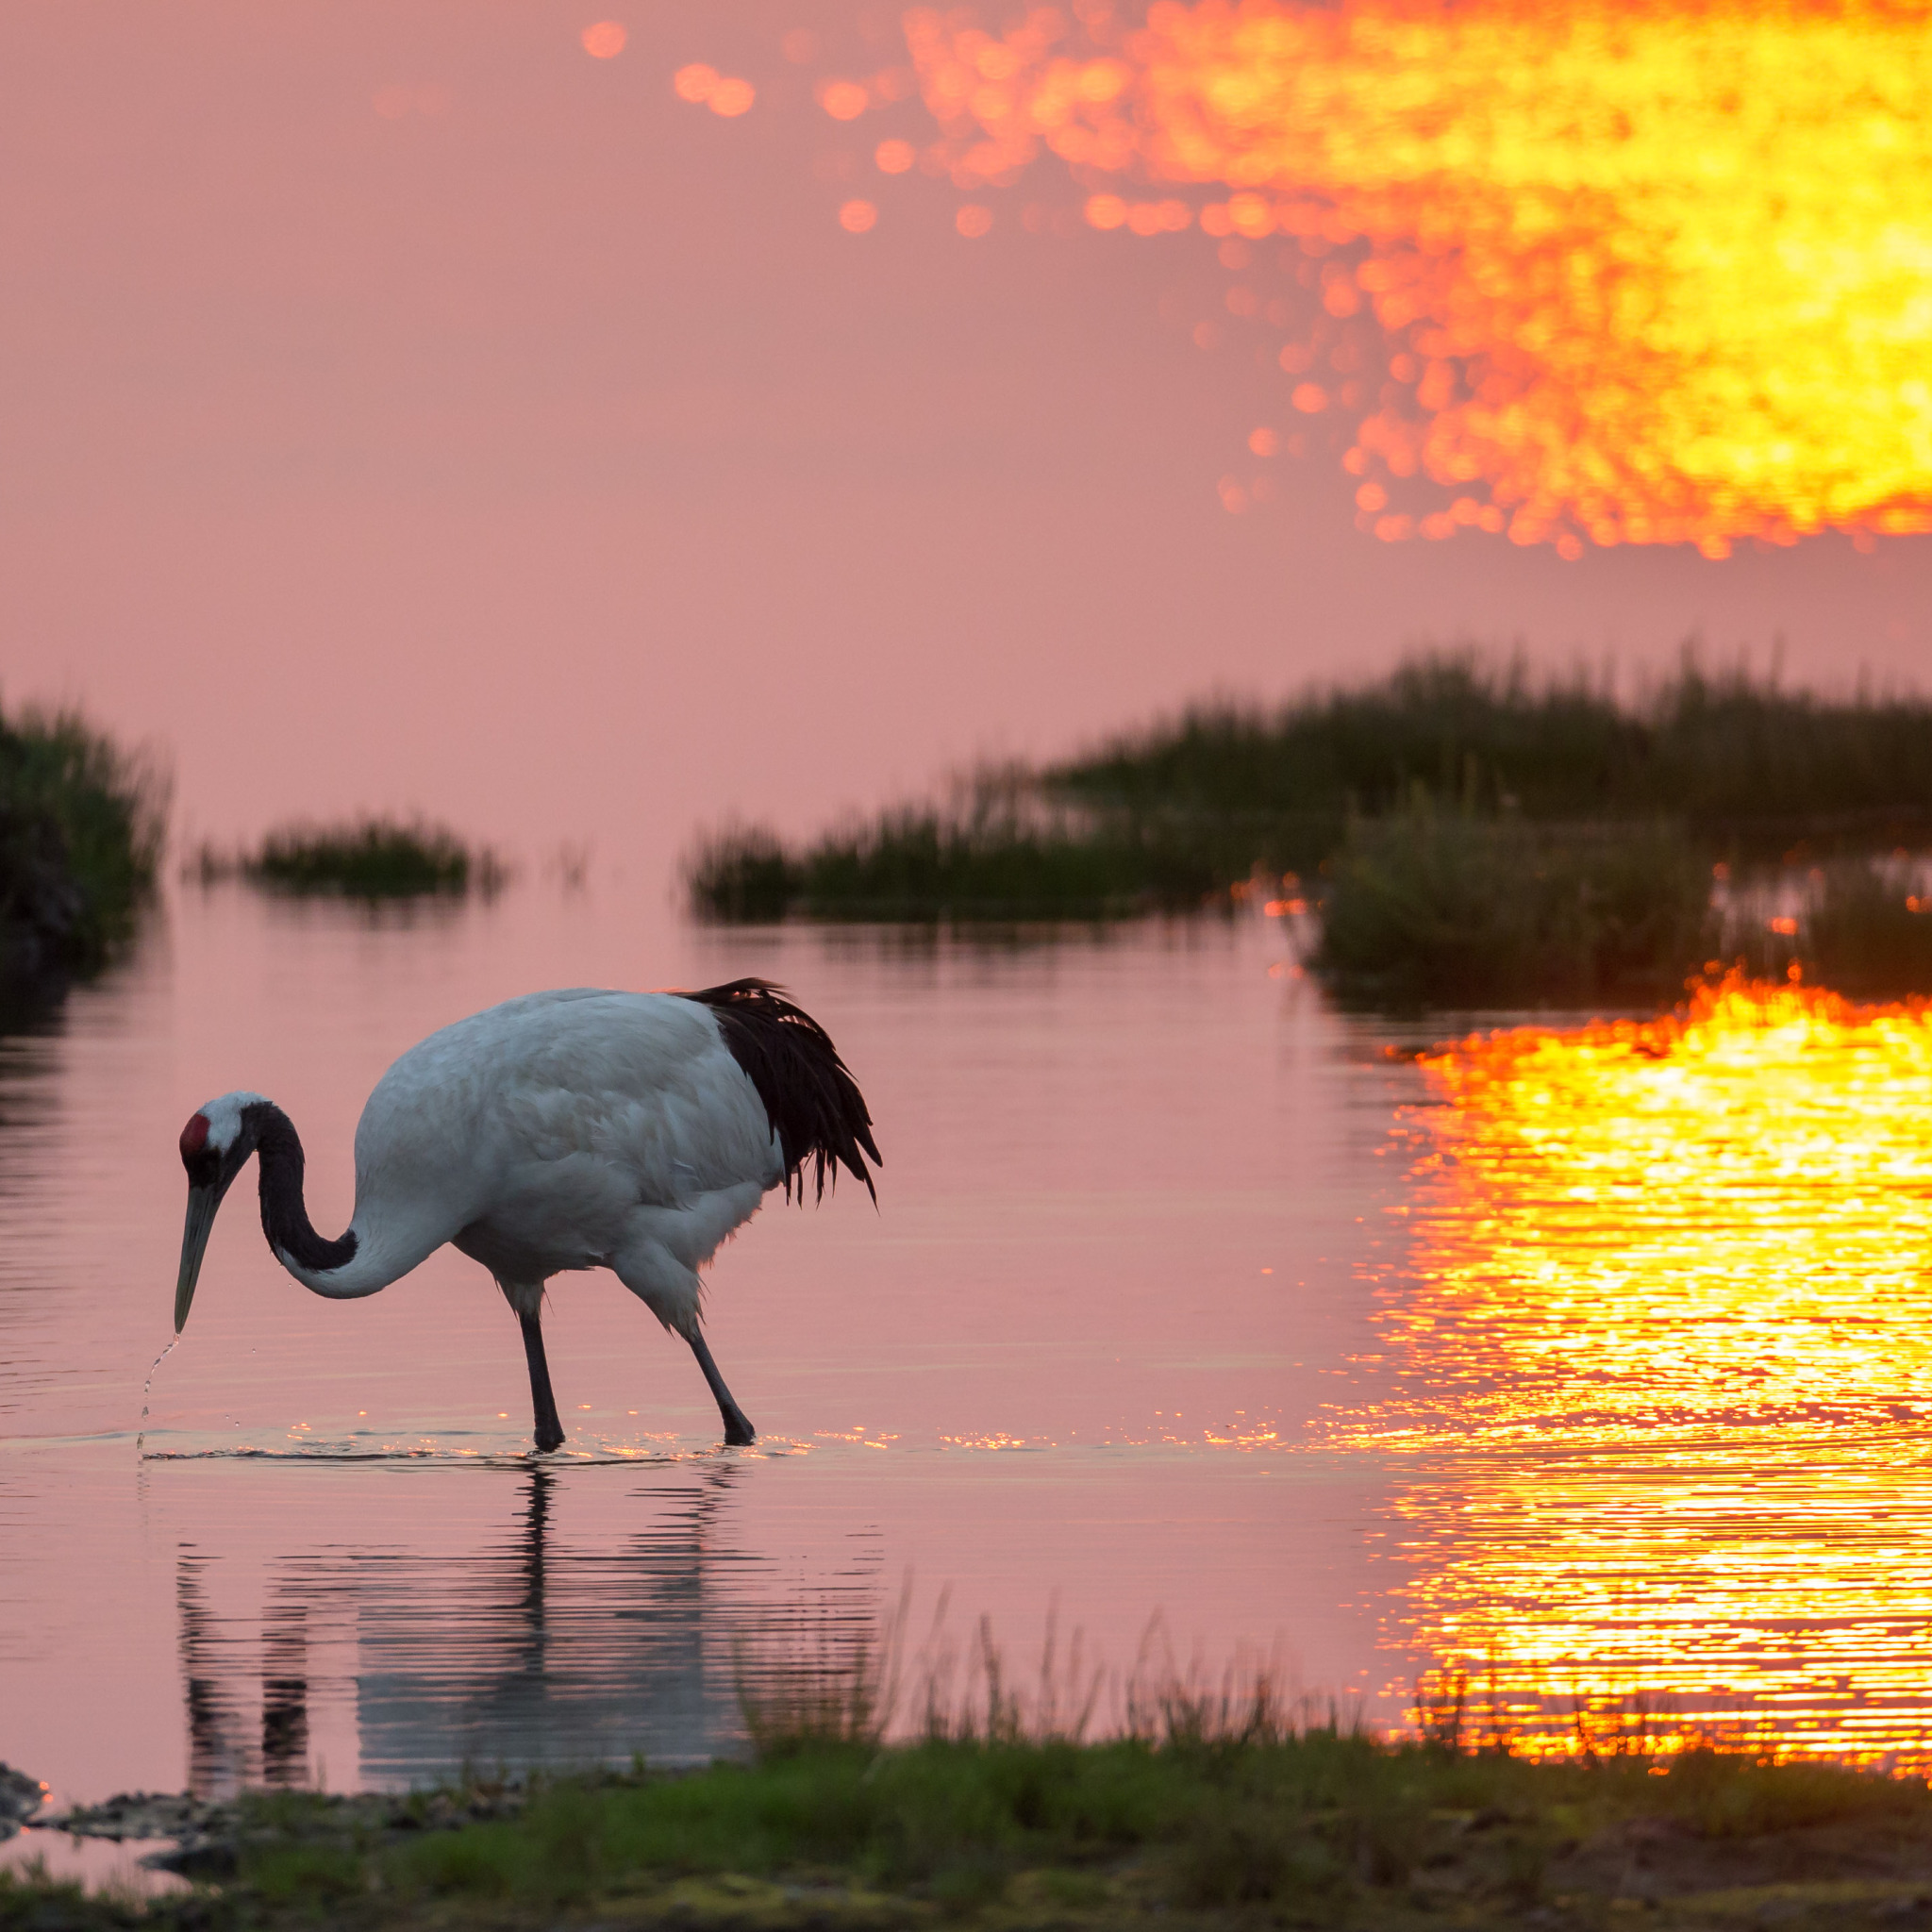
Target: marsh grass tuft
[(361, 858), (999, 848), (1428, 906), (81, 828)]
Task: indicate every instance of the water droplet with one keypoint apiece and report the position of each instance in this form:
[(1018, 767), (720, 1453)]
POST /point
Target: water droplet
[(147, 1390)]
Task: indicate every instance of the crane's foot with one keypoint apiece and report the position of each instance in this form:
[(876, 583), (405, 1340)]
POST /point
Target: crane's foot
[(737, 1431), (549, 1430)]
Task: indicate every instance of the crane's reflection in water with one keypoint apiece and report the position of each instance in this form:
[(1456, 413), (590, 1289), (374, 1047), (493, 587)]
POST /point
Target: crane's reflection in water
[(532, 1651)]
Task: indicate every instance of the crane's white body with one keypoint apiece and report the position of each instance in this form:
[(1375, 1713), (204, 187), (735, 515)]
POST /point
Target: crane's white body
[(564, 1130)]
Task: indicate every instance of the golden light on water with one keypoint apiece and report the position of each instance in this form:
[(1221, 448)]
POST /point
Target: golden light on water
[(1664, 1365), (1653, 273)]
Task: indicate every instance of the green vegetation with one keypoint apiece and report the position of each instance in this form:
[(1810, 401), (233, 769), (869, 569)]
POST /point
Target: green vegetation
[(365, 858), (1253, 1823), (1449, 908), (999, 853), (81, 825), (1469, 836), (1738, 762)]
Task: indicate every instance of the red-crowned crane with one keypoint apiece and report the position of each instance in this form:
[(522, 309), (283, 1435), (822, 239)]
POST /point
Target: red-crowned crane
[(578, 1129)]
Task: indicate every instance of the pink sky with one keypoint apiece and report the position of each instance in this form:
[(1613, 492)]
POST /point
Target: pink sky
[(552, 461)]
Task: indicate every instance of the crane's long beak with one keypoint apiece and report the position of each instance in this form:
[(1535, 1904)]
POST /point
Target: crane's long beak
[(202, 1203)]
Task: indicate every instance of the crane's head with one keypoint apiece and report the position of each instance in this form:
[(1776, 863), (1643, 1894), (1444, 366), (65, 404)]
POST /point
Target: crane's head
[(215, 1146)]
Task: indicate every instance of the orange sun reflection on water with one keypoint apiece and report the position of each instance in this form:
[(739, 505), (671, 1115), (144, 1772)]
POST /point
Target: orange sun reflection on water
[(1654, 274), (1665, 1370)]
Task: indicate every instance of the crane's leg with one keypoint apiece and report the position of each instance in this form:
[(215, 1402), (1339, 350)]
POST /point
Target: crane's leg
[(737, 1430), (673, 1292), (549, 1430)]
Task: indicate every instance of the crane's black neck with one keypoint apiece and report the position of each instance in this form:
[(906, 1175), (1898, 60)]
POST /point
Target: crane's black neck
[(284, 1217)]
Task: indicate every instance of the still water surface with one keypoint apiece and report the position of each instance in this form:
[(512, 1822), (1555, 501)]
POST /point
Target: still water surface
[(1186, 1297)]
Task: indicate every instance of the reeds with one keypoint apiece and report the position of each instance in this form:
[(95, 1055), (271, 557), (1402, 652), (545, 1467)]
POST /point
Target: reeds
[(1736, 760), (1426, 795), (368, 857), (999, 848), (81, 827), (1428, 907)]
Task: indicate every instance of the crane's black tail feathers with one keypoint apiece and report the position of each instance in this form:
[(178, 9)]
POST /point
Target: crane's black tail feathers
[(810, 1097)]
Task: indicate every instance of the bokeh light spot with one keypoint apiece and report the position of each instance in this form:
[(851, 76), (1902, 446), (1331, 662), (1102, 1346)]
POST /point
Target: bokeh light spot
[(1106, 212), (857, 217), (694, 83), (843, 100), (894, 156), (604, 40), (731, 97), (1264, 443), (1310, 398), (973, 219)]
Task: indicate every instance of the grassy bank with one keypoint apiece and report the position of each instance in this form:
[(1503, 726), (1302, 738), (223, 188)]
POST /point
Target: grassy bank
[(1316, 1827), (360, 858), (81, 825)]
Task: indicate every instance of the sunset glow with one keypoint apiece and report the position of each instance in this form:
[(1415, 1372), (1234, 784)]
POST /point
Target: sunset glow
[(1665, 1373), (1647, 274)]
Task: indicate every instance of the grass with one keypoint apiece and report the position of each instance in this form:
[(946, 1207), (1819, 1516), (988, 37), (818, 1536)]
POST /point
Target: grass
[(1482, 838), (360, 858), (1210, 1807), (1736, 761), (1311, 1824), (1434, 908), (81, 825), (998, 850)]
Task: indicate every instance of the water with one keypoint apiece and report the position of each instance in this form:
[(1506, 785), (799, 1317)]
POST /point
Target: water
[(1066, 1369), (1595, 1369)]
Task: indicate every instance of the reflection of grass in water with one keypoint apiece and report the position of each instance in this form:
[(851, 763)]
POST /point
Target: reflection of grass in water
[(1869, 933), (365, 858)]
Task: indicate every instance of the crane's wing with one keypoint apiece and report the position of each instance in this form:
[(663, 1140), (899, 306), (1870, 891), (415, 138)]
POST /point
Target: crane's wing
[(811, 1098)]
